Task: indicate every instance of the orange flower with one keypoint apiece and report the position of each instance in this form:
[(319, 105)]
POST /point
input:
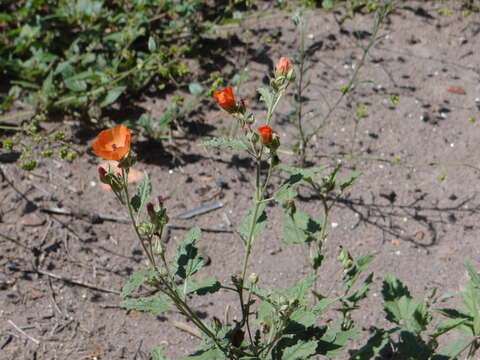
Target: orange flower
[(265, 133), (112, 144), (283, 66), (225, 99)]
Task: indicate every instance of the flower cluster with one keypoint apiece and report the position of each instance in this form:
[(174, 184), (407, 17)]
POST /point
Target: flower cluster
[(225, 98)]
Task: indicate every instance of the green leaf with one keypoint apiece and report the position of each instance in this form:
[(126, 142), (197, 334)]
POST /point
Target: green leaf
[(321, 304), (111, 96), (447, 325), (361, 292), (202, 287), (393, 288), (155, 305), (187, 260), (195, 89), (285, 191), (345, 183), (299, 291), (327, 4), (75, 85), (258, 222), (300, 351), (299, 321), (48, 88), (299, 228), (231, 144), (307, 174), (336, 339), (474, 275), (143, 192), (152, 44), (454, 349), (137, 279), (373, 347), (266, 96), (209, 354), (158, 354)]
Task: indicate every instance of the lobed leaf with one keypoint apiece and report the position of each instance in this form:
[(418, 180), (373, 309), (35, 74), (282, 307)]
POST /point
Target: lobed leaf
[(188, 260), (258, 222), (155, 305), (137, 279), (231, 144), (143, 192)]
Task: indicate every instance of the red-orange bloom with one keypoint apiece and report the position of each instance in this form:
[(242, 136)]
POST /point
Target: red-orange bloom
[(283, 66), (112, 144), (265, 133), (225, 99)]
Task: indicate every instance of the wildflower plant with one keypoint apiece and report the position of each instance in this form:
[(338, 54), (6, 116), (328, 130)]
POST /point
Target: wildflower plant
[(286, 324)]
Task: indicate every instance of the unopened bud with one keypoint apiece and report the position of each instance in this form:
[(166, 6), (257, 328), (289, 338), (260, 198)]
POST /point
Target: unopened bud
[(151, 210), (283, 67), (253, 278), (101, 172)]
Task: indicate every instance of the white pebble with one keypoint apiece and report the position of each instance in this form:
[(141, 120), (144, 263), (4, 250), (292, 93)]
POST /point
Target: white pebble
[(334, 225), (170, 171), (93, 183), (405, 219), (452, 145), (310, 36), (397, 252)]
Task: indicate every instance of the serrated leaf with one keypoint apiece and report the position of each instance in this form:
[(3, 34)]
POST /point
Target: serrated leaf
[(137, 279), (111, 96), (154, 305), (285, 191), (202, 287), (362, 291), (187, 260), (231, 144), (300, 289), (258, 222), (345, 183), (143, 192), (299, 228), (300, 351), (373, 347), (393, 288), (447, 325), (299, 321), (209, 354), (474, 275), (266, 96), (454, 349), (158, 354), (321, 304), (307, 174), (336, 339)]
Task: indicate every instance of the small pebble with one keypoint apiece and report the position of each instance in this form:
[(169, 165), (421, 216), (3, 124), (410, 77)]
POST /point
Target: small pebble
[(334, 225)]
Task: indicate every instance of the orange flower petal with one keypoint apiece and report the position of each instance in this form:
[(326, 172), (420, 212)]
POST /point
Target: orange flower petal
[(112, 144)]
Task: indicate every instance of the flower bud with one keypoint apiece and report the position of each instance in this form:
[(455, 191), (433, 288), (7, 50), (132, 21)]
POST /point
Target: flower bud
[(225, 99), (151, 210), (283, 67), (253, 278), (102, 172), (265, 133)]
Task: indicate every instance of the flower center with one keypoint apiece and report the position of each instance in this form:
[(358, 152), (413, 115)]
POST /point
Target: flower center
[(114, 147)]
